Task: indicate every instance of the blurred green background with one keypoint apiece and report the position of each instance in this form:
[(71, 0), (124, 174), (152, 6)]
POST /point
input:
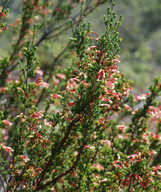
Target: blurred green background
[(140, 31)]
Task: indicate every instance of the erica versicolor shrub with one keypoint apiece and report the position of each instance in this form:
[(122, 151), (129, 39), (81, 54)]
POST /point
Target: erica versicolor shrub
[(84, 130)]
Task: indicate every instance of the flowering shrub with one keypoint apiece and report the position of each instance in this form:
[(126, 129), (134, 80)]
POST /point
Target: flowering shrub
[(82, 131)]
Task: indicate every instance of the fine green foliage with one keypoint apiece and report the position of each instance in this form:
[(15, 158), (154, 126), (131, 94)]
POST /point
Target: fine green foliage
[(79, 129)]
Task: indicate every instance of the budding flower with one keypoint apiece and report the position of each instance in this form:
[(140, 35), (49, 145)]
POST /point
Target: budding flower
[(2, 14), (71, 103), (101, 74), (8, 149), (55, 96), (92, 47), (61, 76), (7, 122), (25, 49), (24, 158)]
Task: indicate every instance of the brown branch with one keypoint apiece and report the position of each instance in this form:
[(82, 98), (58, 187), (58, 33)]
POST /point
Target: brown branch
[(70, 169), (24, 26), (76, 19), (58, 148), (55, 179), (4, 5)]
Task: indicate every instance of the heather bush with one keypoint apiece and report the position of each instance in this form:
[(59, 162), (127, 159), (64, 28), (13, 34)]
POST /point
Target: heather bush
[(78, 129)]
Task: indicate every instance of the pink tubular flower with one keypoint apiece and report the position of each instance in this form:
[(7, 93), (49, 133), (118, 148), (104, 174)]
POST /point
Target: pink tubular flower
[(125, 182), (38, 81), (122, 127), (104, 105), (154, 112), (117, 164), (95, 183), (72, 84), (134, 158), (41, 83), (115, 61), (55, 96), (47, 123), (61, 76), (127, 107), (69, 119), (98, 166), (7, 122), (53, 189), (39, 72), (103, 180), (157, 137), (152, 153), (44, 84), (37, 115), (137, 177), (38, 135), (96, 34), (140, 97), (84, 83), (107, 142), (101, 74), (71, 103), (8, 149), (142, 185), (104, 98), (94, 136), (89, 147), (155, 168), (86, 146), (2, 14), (82, 74), (3, 89), (55, 80), (92, 47), (24, 158)]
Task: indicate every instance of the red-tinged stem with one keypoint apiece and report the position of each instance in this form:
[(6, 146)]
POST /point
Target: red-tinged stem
[(129, 188), (55, 179)]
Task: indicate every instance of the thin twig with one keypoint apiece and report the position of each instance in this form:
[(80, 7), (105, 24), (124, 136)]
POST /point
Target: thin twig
[(59, 146)]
